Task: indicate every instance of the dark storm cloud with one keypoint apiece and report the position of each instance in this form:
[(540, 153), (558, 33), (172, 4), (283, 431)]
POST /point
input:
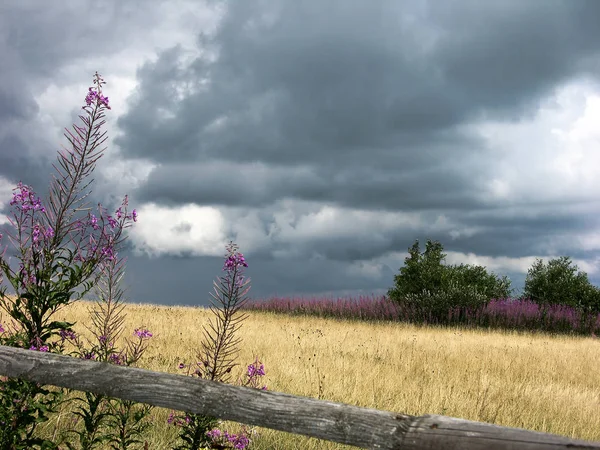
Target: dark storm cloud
[(180, 286), (35, 42), (371, 98), (356, 105), (505, 56), (349, 87), (353, 187)]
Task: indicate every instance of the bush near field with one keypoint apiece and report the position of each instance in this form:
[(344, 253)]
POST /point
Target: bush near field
[(429, 288), (558, 283)]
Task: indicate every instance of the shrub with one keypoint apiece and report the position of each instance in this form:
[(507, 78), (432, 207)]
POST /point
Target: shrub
[(50, 273), (556, 283), (420, 272), (560, 283), (488, 284), (436, 306), (59, 254), (430, 289)]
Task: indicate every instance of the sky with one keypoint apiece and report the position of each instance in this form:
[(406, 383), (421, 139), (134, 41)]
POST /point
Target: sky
[(323, 137)]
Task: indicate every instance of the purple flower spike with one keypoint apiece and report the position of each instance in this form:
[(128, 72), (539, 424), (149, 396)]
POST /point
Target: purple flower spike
[(64, 334), (43, 348), (93, 95), (49, 232), (112, 222), (253, 371), (142, 333), (108, 252), (94, 222), (171, 418)]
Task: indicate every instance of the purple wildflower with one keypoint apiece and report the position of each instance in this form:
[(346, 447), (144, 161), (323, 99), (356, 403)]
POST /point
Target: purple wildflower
[(112, 222), (65, 334), (235, 260), (117, 359), (108, 252), (253, 371), (214, 434), (142, 333), (93, 95), (94, 222), (43, 348)]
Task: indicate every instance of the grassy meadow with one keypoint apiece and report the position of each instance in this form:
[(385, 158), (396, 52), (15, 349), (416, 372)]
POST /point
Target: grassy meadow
[(538, 381)]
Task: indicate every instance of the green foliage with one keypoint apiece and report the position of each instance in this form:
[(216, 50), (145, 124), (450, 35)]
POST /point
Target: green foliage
[(430, 289), (24, 405), (436, 305), (488, 284), (194, 433), (560, 283), (48, 278), (420, 272), (93, 415), (128, 422)]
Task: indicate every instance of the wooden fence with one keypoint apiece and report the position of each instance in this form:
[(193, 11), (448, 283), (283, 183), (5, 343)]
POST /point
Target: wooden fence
[(337, 422)]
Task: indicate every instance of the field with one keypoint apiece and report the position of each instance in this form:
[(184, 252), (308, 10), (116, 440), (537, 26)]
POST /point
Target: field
[(535, 381)]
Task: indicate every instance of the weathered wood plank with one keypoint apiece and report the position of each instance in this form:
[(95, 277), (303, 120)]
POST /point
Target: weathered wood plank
[(337, 422)]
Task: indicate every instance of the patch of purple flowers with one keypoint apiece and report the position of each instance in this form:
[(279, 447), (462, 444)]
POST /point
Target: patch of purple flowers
[(142, 333), (219, 437), (498, 313)]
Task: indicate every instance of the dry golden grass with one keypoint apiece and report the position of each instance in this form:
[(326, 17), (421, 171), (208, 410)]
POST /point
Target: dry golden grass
[(538, 382)]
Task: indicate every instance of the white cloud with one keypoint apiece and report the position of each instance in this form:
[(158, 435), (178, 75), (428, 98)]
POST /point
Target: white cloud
[(502, 264), (550, 157), (6, 190), (343, 222), (189, 228)]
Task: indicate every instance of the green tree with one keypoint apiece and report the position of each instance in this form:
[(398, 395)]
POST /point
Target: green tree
[(560, 283), (432, 288), (420, 271), (488, 284)]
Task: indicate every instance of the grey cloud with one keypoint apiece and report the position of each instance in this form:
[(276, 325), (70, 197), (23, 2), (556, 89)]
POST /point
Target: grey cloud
[(356, 80), (354, 92), (361, 105)]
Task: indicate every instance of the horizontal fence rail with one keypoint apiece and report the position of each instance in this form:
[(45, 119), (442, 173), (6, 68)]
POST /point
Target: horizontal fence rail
[(337, 422)]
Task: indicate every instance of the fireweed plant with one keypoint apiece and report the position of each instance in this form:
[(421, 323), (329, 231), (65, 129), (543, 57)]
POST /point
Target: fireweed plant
[(51, 269), (109, 420), (217, 359), (49, 273)]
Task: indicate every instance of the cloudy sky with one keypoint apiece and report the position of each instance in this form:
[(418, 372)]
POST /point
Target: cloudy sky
[(323, 137)]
